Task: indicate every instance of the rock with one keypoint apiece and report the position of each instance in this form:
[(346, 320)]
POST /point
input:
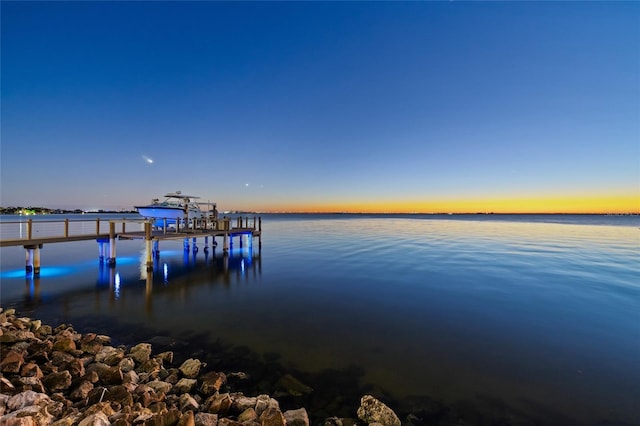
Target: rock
[(297, 417), (130, 377), (187, 419), (206, 419), (81, 391), (141, 352), (45, 330), (190, 368), (64, 344), (242, 403), (262, 403), (60, 358), (75, 367), (187, 402), (26, 399), (98, 419), (219, 404), (373, 411), (11, 362), (126, 365), (167, 357), (248, 415), (37, 414), (184, 386), (31, 383), (65, 421), (91, 383), (31, 369), (212, 382), (57, 381), (272, 417), (89, 344), (111, 376), (160, 387), (168, 418), (119, 394), (109, 353), (18, 421), (13, 336), (229, 422), (6, 387)]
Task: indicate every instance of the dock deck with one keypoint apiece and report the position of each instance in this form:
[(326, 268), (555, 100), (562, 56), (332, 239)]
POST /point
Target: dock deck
[(32, 235)]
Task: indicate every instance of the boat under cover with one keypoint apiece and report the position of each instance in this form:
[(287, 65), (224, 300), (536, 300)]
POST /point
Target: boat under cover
[(177, 206)]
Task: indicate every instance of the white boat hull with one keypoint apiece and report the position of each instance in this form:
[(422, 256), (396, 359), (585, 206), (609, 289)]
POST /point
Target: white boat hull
[(159, 212)]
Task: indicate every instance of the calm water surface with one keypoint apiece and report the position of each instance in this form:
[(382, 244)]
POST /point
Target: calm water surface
[(533, 317)]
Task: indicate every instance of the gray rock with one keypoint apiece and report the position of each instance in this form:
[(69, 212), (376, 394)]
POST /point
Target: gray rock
[(126, 365), (242, 403), (26, 399), (184, 386), (297, 417), (106, 352), (372, 410), (57, 381), (206, 419), (160, 387), (141, 352), (190, 368)]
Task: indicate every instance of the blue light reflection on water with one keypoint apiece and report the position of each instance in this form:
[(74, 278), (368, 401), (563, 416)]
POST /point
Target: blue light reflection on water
[(528, 312)]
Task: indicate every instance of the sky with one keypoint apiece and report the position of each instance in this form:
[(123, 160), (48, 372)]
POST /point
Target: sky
[(322, 106)]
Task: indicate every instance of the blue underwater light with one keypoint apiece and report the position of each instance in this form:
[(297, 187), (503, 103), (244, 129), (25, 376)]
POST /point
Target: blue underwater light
[(45, 272)]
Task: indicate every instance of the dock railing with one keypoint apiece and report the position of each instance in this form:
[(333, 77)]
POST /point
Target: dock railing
[(61, 229)]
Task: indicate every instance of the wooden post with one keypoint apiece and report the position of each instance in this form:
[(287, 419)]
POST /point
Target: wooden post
[(225, 244), (29, 228), (111, 260), (156, 248), (98, 226), (147, 241), (36, 261), (101, 250), (66, 228), (29, 261)]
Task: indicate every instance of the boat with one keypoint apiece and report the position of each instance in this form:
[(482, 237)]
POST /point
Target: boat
[(177, 205)]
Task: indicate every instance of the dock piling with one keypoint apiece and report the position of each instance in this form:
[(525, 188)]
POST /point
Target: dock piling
[(147, 242), (111, 260)]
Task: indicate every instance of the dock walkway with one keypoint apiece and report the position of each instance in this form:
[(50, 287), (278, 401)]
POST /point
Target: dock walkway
[(32, 235)]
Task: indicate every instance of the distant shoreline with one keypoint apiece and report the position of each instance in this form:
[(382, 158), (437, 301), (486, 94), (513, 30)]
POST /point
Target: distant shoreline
[(42, 211), (444, 214)]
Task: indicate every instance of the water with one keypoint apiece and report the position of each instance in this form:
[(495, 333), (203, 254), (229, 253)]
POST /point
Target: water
[(519, 319)]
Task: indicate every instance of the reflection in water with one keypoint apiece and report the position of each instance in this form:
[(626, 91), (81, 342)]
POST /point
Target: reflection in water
[(168, 276)]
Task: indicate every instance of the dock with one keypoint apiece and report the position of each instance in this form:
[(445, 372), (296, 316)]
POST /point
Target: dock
[(32, 235)]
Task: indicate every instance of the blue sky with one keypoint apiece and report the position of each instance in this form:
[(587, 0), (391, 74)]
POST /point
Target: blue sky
[(302, 105)]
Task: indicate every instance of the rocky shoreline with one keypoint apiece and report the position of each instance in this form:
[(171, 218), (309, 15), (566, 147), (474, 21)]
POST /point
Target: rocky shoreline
[(57, 376)]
